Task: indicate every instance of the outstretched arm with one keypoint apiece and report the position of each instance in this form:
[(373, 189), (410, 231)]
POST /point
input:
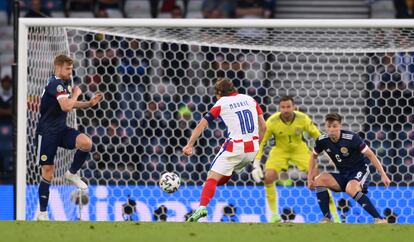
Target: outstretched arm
[(94, 100), (374, 160), (188, 149)]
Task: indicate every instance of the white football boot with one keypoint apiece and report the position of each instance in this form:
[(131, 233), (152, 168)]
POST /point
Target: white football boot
[(75, 179), (42, 216)]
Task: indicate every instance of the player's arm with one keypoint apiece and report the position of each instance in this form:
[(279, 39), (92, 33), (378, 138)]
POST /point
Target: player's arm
[(188, 149), (264, 133), (92, 102), (264, 139), (374, 160), (311, 128), (68, 103), (313, 170), (257, 172), (209, 117), (262, 127)]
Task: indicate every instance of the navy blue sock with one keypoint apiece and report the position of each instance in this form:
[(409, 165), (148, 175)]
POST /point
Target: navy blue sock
[(43, 193), (78, 160), (323, 201), (366, 204)]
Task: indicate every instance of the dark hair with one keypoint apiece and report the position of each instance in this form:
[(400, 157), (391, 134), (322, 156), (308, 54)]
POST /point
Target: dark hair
[(224, 87), (61, 59), (286, 98), (331, 117)]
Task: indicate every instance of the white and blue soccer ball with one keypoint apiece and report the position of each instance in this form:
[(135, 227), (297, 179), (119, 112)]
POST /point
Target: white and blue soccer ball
[(170, 182)]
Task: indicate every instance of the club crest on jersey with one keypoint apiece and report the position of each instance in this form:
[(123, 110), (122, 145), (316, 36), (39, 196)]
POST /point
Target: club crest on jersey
[(59, 89), (344, 151), (298, 131), (43, 157)]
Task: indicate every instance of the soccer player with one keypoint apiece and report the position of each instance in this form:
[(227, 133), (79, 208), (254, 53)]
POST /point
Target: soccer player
[(245, 127), (287, 128), (59, 98), (347, 150)]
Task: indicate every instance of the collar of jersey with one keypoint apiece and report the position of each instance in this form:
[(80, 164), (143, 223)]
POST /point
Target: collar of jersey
[(233, 94), (340, 136), (291, 121)]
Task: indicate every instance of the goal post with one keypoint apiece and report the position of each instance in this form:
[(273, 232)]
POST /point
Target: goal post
[(158, 74)]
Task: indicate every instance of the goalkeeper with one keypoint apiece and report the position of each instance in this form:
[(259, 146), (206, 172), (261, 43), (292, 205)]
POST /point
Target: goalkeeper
[(287, 127)]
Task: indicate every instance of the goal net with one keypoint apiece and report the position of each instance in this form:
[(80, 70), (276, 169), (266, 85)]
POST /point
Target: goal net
[(157, 78), (43, 46)]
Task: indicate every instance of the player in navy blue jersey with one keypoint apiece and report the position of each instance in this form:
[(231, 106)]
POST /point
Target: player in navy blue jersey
[(347, 151), (59, 98)]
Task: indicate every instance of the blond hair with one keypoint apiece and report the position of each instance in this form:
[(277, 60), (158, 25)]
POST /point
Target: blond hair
[(61, 59)]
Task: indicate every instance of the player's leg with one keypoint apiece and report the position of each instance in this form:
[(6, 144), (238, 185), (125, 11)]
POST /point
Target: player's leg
[(83, 146), (276, 162), (74, 139), (209, 189), (323, 182), (43, 191), (221, 167), (239, 163), (271, 194), (356, 188), (301, 160), (46, 151), (333, 209), (223, 180)]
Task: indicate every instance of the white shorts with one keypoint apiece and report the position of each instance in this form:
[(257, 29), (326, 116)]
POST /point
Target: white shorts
[(226, 162)]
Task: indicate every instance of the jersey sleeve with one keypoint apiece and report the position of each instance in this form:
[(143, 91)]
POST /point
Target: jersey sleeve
[(259, 109), (213, 113), (359, 143), (57, 89), (318, 148), (311, 128)]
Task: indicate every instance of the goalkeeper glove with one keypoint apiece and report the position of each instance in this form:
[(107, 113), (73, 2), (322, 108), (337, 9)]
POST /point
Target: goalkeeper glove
[(257, 172)]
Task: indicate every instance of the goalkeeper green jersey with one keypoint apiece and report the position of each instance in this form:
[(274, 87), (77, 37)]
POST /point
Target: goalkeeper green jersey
[(288, 135)]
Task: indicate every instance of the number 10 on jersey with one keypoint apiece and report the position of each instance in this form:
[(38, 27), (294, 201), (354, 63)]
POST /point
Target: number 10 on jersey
[(246, 121)]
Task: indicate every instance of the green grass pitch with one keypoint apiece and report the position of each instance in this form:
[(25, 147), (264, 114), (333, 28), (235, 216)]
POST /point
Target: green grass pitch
[(197, 232)]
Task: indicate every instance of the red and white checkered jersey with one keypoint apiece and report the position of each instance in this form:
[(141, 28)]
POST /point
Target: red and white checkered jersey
[(240, 114)]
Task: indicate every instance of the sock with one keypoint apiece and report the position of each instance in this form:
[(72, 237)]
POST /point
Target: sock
[(78, 160), (223, 180), (43, 194), (332, 208), (208, 192), (366, 204), (323, 201), (271, 197)]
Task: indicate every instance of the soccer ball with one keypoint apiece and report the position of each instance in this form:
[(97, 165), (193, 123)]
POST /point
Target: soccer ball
[(170, 182)]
